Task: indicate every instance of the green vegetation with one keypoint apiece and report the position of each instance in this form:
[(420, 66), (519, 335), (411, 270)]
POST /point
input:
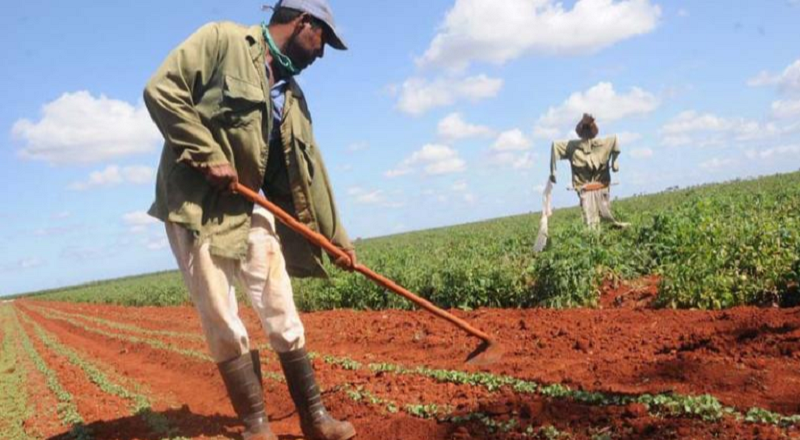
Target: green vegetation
[(704, 407), (139, 404), (153, 343), (157, 289), (66, 409), (713, 246), (14, 409)]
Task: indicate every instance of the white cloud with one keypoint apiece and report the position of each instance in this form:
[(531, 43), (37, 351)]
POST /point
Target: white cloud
[(62, 215), (156, 243), (627, 137), (23, 264), (434, 160), (787, 81), (370, 198), (362, 196), (113, 175), (59, 231), (707, 129), (453, 127), (138, 221), (690, 122), (683, 12), (500, 31), (782, 109), (354, 190), (87, 253), (775, 152), (602, 101), (513, 160), (357, 146), (511, 140), (510, 149), (459, 186), (397, 172), (79, 128), (418, 95), (717, 164), (642, 153)]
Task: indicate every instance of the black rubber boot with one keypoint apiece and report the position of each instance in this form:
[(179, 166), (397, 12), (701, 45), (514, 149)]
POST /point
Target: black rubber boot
[(316, 422), (247, 395)]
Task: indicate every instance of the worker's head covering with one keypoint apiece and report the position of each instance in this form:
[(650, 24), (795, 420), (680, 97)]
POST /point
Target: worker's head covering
[(586, 128), (321, 10)]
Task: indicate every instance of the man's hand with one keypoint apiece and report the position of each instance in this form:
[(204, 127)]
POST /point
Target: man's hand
[(222, 177), (553, 178), (348, 264)]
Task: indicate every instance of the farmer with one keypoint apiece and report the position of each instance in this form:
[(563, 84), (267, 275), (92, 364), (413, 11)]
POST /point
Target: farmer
[(230, 110), (591, 160)]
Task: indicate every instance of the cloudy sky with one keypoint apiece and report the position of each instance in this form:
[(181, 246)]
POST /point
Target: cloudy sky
[(441, 113)]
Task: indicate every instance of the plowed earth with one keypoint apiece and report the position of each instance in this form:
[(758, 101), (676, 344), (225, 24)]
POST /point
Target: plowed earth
[(744, 357)]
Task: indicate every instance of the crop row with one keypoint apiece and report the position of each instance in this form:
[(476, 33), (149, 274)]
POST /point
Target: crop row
[(13, 395), (75, 320), (140, 404), (705, 407), (152, 343), (66, 408)]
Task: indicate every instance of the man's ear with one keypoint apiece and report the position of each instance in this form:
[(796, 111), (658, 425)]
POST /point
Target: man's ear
[(301, 21), (305, 19)]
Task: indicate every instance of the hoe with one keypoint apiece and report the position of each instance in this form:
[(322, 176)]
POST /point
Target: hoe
[(488, 352)]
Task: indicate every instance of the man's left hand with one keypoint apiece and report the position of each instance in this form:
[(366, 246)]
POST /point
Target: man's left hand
[(348, 264)]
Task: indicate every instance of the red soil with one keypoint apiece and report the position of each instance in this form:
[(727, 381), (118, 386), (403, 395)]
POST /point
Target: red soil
[(745, 357)]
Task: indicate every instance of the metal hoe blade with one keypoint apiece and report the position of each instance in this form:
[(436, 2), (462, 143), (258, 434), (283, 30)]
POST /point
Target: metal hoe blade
[(489, 352)]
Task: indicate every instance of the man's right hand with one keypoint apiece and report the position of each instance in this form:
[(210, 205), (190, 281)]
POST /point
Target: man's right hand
[(222, 177)]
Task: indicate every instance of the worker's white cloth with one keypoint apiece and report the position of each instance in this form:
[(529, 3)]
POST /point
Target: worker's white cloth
[(596, 205), (210, 280), (547, 211)]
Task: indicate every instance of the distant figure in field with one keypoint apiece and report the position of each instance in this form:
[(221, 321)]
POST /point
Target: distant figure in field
[(591, 160)]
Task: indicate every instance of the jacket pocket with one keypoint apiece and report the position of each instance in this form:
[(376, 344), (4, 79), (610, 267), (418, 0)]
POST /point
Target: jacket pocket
[(307, 160), (242, 102)]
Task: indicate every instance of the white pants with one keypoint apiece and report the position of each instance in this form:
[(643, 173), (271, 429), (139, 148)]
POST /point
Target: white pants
[(596, 205), (210, 280)]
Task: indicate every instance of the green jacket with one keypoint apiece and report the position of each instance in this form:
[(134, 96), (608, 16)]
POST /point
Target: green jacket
[(589, 159), (210, 100)]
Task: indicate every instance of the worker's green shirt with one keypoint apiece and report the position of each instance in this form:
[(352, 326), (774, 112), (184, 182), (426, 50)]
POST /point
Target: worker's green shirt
[(210, 100), (589, 159)]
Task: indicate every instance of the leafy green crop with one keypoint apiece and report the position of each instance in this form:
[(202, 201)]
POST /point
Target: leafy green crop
[(13, 395), (714, 246)]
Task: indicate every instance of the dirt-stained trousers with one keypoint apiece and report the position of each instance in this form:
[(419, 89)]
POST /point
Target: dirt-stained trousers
[(210, 280), (596, 205)]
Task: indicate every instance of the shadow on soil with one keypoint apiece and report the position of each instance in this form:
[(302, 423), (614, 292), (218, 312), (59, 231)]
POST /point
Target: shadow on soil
[(183, 420)]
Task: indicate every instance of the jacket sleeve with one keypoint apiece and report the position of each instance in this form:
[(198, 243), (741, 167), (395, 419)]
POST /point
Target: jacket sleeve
[(615, 151), (558, 152), (172, 93), (339, 236)]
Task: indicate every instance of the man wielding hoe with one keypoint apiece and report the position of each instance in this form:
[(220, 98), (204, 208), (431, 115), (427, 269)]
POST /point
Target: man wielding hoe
[(230, 111), (591, 160)]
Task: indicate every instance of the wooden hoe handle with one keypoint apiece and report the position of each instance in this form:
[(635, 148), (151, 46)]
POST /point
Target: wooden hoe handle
[(320, 240)]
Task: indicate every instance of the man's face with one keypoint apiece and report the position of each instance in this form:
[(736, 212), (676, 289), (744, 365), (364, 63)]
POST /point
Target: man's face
[(307, 43)]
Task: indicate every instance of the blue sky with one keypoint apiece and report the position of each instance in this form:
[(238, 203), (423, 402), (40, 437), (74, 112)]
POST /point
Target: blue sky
[(441, 113)]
